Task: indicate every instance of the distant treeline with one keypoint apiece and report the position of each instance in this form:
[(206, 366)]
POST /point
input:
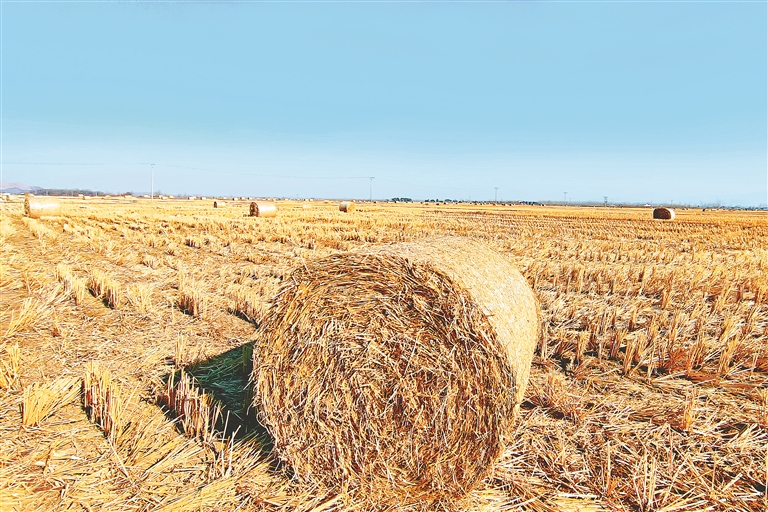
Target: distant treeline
[(65, 192)]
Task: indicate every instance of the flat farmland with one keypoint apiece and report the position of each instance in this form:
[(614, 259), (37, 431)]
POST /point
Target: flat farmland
[(127, 325)]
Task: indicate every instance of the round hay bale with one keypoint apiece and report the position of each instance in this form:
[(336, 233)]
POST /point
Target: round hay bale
[(219, 204), (263, 209), (36, 207), (346, 206), (394, 372), (663, 213)]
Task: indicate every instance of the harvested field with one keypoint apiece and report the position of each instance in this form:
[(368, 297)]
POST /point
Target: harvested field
[(127, 330)]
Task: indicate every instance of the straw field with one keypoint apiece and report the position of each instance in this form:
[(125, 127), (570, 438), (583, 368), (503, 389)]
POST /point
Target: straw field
[(128, 327)]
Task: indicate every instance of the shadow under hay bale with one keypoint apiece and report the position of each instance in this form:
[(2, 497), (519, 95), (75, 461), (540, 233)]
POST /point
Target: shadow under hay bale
[(222, 393), (664, 213), (393, 373)]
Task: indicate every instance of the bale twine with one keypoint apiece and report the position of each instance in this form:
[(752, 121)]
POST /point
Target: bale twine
[(346, 206), (394, 372), (263, 209), (663, 213), (36, 207)]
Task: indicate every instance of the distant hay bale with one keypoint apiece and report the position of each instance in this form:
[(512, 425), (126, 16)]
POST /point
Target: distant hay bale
[(394, 372), (36, 207), (219, 204), (346, 206), (664, 213), (306, 206), (263, 209)]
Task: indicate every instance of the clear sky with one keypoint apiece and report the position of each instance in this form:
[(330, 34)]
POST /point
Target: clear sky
[(637, 101)]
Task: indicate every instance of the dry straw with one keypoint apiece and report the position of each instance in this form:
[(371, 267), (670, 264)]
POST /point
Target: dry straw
[(663, 213), (101, 400), (346, 206), (36, 207), (393, 373), (263, 209), (196, 411), (40, 400), (9, 367)]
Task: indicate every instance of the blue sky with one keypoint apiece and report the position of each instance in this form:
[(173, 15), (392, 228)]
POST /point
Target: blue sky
[(637, 101)]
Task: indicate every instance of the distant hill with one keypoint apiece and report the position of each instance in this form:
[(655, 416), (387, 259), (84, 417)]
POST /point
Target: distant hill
[(21, 188), (18, 188)]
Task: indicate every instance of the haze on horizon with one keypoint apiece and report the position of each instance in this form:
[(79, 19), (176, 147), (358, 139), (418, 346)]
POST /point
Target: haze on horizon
[(638, 101)]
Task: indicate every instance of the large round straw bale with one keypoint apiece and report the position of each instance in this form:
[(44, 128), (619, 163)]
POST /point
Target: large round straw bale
[(663, 213), (263, 209), (394, 372), (36, 207), (346, 206), (219, 204)]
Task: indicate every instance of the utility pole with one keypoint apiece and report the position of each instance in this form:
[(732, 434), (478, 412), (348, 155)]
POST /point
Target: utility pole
[(605, 200), (152, 192), (495, 194), (565, 197), (370, 190)]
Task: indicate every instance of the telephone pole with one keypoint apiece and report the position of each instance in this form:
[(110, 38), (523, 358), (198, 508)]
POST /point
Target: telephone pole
[(152, 191), (495, 194), (565, 197), (370, 190)]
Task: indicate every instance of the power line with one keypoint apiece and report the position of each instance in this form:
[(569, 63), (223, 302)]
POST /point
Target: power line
[(218, 171), (237, 173)]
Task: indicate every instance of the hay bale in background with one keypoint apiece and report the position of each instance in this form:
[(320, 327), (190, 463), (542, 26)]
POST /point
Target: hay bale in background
[(219, 204), (263, 209), (36, 207), (395, 371), (664, 213), (346, 206)]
